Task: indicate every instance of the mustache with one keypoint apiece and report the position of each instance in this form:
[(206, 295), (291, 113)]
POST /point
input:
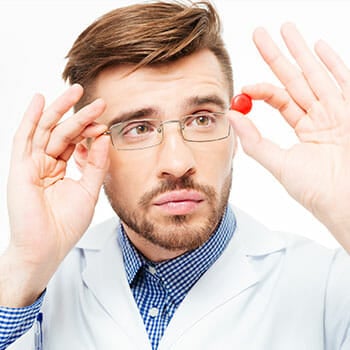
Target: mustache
[(172, 184)]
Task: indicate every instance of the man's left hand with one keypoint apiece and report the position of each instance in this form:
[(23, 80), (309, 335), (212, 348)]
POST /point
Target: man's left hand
[(315, 102)]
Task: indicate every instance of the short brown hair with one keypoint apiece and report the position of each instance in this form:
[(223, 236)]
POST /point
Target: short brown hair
[(146, 34)]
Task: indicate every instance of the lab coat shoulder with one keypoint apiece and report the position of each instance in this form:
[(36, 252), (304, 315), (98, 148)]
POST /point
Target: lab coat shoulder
[(305, 262), (268, 290), (88, 303)]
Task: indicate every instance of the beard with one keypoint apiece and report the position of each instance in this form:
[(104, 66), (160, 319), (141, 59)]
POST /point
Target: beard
[(173, 232)]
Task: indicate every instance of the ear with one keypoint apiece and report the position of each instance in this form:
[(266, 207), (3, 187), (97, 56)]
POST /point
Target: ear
[(81, 154)]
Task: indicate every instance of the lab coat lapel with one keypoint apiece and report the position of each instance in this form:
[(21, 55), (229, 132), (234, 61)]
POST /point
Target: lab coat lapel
[(232, 274), (104, 275)]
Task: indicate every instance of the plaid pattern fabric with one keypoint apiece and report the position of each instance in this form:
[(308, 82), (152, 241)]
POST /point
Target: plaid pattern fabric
[(14, 322), (159, 288)]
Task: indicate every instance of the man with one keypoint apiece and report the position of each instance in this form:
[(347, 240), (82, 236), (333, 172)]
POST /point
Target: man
[(182, 270)]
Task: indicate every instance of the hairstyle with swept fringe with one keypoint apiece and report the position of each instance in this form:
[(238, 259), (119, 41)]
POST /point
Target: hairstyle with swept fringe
[(153, 33)]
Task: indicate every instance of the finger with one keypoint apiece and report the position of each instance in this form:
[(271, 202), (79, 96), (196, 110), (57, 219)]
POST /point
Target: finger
[(303, 123), (94, 171), (24, 134), (291, 77), (268, 154), (65, 156), (335, 65), (74, 127), (91, 131), (54, 113), (277, 98), (318, 78)]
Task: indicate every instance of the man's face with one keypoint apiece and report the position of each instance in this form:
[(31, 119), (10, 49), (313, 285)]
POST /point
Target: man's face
[(173, 195)]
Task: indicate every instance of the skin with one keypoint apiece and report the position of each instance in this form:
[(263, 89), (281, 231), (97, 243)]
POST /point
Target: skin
[(315, 171), (166, 90)]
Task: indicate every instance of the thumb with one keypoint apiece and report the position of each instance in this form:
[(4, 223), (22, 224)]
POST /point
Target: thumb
[(264, 151), (96, 166)]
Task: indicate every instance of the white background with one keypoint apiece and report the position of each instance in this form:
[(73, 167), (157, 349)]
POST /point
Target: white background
[(36, 35)]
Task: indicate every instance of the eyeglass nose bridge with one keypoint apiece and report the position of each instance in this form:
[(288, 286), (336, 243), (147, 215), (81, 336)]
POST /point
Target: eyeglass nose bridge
[(180, 122), (160, 128)]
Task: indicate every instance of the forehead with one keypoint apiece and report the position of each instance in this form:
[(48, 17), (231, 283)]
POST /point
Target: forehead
[(164, 88)]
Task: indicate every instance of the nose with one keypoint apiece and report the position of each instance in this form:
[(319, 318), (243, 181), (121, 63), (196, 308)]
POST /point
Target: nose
[(175, 157)]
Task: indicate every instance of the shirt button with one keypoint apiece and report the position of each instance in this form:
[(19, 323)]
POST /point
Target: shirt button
[(153, 312), (152, 270)]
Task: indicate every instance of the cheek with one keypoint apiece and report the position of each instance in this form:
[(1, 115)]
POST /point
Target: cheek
[(216, 165), (217, 172), (127, 177)]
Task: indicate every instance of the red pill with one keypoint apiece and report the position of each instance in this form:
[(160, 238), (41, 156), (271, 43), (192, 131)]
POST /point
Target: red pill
[(242, 103)]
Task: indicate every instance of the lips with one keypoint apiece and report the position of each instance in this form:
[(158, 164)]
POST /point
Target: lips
[(179, 196), (180, 202)]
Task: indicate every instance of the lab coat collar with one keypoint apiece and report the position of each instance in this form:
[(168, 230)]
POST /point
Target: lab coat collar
[(233, 272), (105, 277), (96, 237), (256, 239)]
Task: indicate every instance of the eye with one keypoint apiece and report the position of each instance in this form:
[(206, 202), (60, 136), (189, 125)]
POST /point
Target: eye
[(139, 128), (201, 120)]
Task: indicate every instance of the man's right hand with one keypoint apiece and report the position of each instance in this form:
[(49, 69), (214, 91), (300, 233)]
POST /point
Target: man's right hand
[(48, 212)]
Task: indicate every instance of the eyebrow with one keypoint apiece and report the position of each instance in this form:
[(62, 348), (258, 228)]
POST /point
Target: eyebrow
[(136, 114), (192, 102), (198, 101)]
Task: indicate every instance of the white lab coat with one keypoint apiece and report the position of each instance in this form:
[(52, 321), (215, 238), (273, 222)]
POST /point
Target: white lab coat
[(268, 291)]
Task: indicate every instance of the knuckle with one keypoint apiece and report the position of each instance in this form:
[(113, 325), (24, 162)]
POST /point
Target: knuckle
[(61, 136), (66, 139)]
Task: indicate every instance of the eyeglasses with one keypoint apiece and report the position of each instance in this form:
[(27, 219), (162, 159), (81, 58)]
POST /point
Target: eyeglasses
[(146, 133)]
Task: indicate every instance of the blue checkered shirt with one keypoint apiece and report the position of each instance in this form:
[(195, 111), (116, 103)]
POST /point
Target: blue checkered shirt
[(159, 288), (16, 321)]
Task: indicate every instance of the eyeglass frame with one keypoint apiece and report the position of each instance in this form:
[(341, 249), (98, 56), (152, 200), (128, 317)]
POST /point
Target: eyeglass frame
[(160, 129)]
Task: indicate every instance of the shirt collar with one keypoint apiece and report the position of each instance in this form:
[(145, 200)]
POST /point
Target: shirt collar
[(133, 260), (179, 274)]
